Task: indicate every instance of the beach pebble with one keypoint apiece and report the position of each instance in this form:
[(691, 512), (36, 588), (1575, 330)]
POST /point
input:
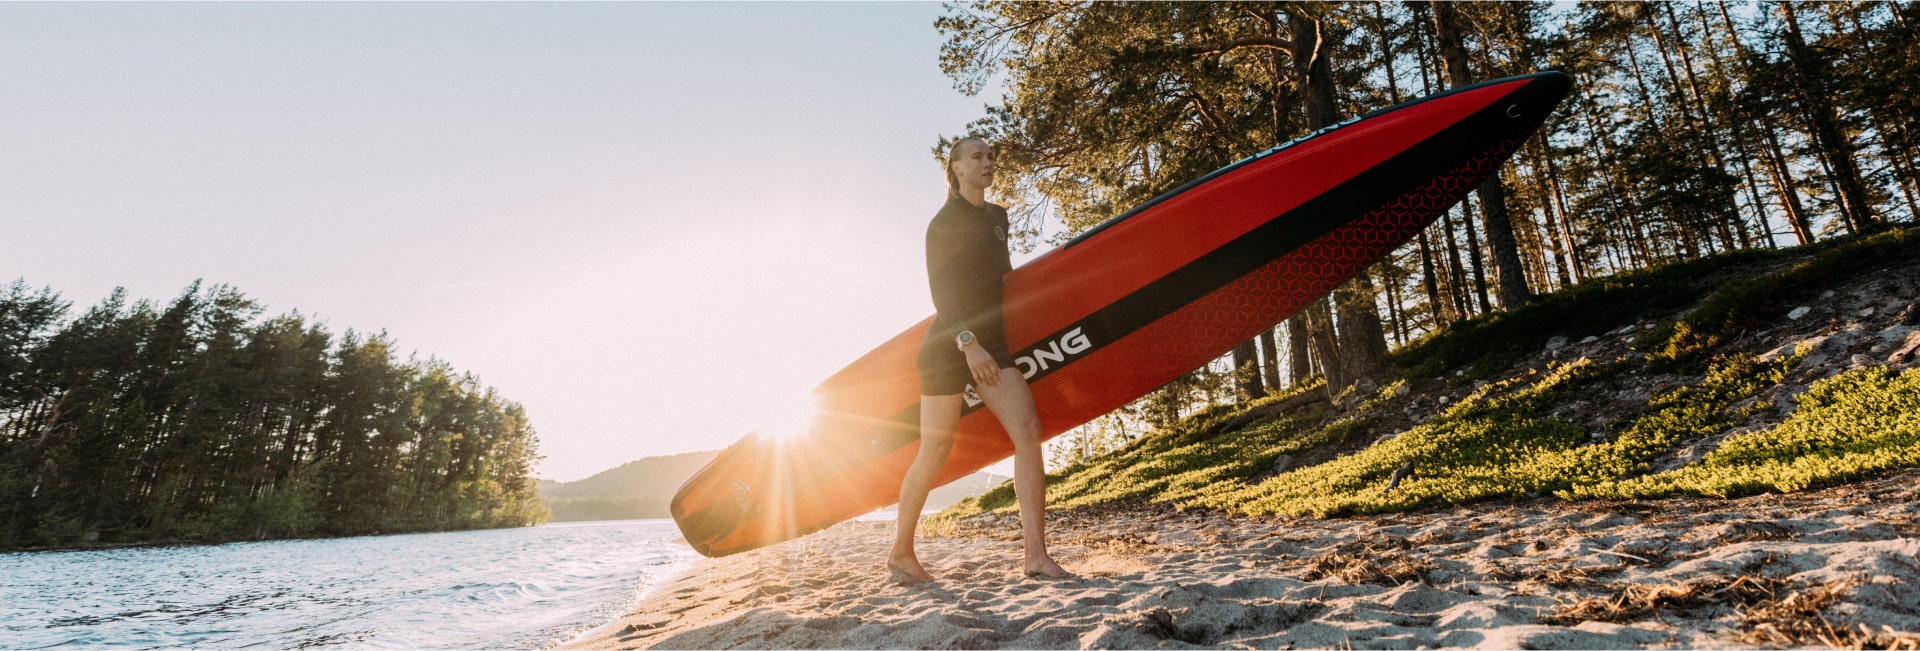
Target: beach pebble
[(1556, 343), (1799, 312), (1589, 339)]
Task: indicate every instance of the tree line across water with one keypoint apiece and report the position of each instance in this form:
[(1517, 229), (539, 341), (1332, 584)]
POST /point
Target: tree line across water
[(1693, 128), (196, 420)]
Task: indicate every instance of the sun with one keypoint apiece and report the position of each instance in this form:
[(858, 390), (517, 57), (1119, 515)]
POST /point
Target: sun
[(788, 420)]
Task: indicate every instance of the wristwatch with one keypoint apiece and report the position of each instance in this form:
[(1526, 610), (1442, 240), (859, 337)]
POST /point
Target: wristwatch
[(961, 340)]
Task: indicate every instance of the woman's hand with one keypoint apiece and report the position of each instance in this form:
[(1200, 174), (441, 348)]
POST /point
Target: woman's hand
[(986, 372)]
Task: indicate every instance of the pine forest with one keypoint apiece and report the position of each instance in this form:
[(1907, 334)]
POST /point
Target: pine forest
[(199, 421)]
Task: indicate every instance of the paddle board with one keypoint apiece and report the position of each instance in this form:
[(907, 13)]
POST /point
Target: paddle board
[(1130, 305)]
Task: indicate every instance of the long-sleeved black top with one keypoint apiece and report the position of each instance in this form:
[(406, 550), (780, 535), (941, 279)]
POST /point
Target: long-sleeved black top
[(966, 256)]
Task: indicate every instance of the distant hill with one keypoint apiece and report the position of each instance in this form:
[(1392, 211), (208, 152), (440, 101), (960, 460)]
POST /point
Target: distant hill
[(641, 489)]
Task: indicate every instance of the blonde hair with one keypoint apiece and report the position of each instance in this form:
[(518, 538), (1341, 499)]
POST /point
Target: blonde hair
[(953, 180)]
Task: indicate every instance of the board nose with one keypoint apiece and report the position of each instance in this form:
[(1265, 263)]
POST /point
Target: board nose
[(1529, 104)]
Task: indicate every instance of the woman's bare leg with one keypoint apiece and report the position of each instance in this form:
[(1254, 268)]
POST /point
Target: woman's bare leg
[(1012, 403), (938, 416)]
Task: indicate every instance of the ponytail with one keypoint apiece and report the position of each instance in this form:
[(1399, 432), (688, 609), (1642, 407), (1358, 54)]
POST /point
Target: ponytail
[(953, 180)]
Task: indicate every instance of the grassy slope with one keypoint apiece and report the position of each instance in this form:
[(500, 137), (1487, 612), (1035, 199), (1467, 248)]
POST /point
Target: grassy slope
[(1502, 439)]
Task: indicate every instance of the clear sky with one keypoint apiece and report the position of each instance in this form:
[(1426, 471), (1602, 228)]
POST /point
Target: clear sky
[(657, 226)]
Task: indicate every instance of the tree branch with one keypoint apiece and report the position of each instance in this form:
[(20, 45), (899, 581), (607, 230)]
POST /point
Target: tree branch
[(1254, 42)]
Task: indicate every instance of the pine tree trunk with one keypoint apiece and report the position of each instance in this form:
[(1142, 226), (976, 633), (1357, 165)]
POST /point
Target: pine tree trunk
[(1356, 359), (1246, 370), (1783, 182), (1299, 349), (1363, 345), (1473, 257), (1270, 365), (1492, 193), (1326, 349), (1456, 270), (1432, 284), (1833, 143), (1550, 239)]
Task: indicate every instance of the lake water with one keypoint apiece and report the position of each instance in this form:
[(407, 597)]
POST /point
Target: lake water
[(524, 588)]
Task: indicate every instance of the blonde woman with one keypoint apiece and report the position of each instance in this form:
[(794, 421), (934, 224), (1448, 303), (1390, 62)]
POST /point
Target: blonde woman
[(966, 257)]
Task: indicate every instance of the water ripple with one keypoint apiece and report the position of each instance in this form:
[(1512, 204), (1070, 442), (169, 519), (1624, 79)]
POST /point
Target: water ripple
[(523, 588)]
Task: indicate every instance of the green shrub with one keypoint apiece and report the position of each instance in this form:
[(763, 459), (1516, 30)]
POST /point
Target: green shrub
[(1743, 305), (1846, 427)]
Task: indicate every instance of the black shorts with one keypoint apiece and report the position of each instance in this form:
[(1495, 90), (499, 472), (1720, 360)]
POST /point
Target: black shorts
[(943, 368)]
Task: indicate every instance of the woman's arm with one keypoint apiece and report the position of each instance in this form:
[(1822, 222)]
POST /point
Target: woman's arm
[(947, 279)]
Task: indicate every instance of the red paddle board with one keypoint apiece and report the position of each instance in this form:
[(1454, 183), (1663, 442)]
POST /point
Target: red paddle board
[(1131, 305)]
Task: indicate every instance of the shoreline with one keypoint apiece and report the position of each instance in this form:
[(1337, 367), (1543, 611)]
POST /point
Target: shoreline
[(1831, 567)]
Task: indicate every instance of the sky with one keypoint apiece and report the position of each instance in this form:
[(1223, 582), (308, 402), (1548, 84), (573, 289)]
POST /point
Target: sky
[(656, 226)]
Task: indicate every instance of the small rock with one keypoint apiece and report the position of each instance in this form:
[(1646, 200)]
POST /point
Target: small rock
[(1895, 333), (1813, 360), (1909, 347), (1650, 326), (91, 536), (1589, 339), (1865, 312), (1799, 312), (1826, 294), (1788, 397), (1443, 400), (1281, 464), (1556, 343), (1402, 391), (1860, 360), (1777, 353)]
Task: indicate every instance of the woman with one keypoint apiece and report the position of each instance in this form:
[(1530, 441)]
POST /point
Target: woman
[(966, 256)]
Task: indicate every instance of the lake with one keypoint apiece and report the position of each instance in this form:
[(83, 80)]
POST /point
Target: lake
[(525, 588)]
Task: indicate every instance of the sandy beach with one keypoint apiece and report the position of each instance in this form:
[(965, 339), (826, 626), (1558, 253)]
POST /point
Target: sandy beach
[(1833, 567)]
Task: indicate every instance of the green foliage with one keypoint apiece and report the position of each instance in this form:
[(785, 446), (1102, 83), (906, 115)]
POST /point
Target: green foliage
[(1493, 443), (1845, 428), (1467, 452), (194, 420), (1746, 304), (1490, 343), (1496, 444)]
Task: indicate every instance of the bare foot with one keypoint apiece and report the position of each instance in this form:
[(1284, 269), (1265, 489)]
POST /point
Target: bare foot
[(907, 571), (1046, 568)]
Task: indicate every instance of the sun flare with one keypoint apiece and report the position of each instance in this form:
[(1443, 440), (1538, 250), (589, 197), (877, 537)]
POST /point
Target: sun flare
[(788, 420)]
